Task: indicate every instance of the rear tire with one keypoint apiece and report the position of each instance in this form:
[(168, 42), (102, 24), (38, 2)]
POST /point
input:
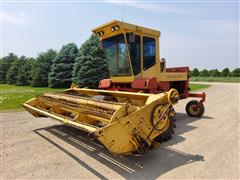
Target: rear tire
[(194, 110)]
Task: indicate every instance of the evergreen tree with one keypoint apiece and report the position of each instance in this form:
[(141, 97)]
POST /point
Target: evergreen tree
[(62, 67), (42, 67), (24, 71), (90, 66), (5, 64), (225, 72), (13, 72)]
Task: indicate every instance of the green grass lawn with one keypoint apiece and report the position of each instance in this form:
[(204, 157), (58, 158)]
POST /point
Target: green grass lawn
[(11, 96), (196, 87), (216, 79)]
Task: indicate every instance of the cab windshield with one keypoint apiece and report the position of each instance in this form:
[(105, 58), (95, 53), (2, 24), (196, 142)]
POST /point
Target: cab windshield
[(116, 55)]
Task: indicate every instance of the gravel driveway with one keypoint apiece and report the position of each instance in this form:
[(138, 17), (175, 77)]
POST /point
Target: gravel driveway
[(201, 148)]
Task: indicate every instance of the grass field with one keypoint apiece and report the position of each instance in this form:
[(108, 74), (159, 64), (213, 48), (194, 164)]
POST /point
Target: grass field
[(216, 79), (195, 87), (11, 96)]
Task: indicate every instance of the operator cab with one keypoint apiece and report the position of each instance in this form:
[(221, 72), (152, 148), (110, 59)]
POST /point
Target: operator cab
[(131, 51), (133, 57)]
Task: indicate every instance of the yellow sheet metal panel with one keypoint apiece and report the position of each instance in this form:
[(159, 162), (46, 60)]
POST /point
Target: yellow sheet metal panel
[(122, 79), (116, 138), (106, 28), (151, 72), (168, 76)]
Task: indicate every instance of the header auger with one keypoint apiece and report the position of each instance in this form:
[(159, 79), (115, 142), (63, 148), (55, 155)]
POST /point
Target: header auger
[(132, 111)]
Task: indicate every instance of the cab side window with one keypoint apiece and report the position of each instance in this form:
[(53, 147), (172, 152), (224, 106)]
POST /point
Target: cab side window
[(149, 52), (134, 51)]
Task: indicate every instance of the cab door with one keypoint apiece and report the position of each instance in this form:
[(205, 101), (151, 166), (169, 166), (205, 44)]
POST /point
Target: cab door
[(150, 56), (134, 49)]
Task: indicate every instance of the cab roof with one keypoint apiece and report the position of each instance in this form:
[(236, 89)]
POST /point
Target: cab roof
[(126, 26)]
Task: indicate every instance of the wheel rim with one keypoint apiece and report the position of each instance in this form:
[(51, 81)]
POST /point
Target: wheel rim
[(164, 123), (194, 109)]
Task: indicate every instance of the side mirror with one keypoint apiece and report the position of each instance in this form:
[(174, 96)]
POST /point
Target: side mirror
[(131, 37)]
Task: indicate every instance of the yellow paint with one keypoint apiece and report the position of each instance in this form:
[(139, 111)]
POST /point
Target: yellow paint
[(121, 126), (169, 76), (129, 125), (153, 71), (123, 79)]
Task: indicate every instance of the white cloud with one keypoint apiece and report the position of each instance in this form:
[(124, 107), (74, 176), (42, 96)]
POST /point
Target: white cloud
[(150, 6), (16, 18)]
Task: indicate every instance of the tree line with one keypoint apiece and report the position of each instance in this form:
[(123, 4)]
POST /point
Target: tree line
[(84, 67), (215, 73)]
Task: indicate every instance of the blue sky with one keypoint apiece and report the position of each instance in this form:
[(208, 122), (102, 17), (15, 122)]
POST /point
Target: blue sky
[(196, 34)]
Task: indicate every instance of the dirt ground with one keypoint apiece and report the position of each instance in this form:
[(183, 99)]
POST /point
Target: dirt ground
[(208, 147)]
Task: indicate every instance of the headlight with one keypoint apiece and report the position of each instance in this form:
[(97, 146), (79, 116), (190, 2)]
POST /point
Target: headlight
[(100, 33), (114, 28)]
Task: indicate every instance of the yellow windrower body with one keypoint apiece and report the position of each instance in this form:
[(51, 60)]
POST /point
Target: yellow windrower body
[(154, 70), (129, 125)]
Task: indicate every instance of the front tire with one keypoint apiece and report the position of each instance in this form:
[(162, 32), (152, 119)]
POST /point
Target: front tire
[(194, 109), (167, 135)]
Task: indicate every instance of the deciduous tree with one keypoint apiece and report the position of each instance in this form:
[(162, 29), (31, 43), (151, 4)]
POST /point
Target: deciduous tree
[(225, 72), (204, 73), (236, 72), (214, 73), (195, 72)]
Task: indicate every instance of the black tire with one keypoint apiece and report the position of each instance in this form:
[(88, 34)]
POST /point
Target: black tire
[(194, 112), (166, 135), (110, 98)]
